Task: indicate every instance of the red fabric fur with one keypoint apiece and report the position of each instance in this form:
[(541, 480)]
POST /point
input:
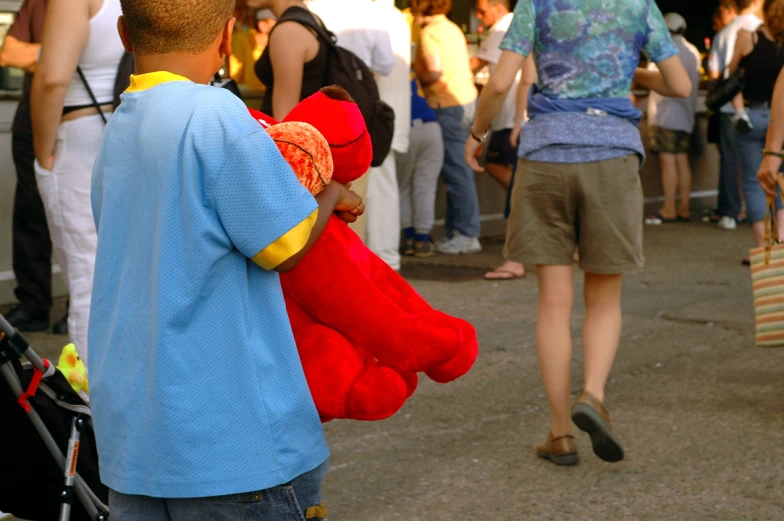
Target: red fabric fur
[(363, 333)]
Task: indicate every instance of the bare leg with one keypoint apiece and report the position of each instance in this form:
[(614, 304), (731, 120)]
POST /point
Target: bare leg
[(554, 342), (602, 330), (501, 173), (780, 221), (684, 183), (669, 172)]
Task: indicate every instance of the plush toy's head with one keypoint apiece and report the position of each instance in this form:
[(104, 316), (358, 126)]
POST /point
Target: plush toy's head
[(337, 117), (306, 150)]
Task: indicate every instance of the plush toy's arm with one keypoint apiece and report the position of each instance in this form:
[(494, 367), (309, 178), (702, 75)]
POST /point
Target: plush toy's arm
[(333, 285)]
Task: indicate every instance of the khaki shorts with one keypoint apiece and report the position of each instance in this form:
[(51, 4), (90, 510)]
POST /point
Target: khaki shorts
[(593, 208)]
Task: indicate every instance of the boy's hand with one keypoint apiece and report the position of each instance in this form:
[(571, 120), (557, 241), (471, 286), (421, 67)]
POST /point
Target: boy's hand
[(349, 205)]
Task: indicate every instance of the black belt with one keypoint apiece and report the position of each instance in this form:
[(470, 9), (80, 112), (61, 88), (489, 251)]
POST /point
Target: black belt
[(74, 108)]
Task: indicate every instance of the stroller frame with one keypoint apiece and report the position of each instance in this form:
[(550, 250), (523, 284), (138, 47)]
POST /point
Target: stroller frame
[(13, 346)]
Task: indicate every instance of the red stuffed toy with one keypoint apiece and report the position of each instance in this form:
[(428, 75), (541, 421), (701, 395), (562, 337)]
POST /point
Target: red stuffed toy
[(362, 331)]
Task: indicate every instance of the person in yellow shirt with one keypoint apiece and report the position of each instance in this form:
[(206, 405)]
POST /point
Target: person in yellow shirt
[(247, 46)]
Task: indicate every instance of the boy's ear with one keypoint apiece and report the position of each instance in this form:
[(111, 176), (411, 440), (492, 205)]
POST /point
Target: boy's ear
[(228, 31), (124, 35)]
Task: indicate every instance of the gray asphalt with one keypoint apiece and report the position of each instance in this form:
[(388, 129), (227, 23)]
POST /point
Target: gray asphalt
[(697, 405)]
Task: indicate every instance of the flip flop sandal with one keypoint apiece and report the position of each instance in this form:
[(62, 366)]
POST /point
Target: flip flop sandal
[(505, 275), (682, 219)]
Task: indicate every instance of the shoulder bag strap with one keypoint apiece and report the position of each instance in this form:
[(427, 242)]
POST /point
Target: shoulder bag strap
[(90, 92)]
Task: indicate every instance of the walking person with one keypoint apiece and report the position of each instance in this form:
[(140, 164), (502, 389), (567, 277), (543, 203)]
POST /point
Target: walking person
[(442, 67), (670, 126), (761, 57), (32, 246), (721, 55), (80, 52), (579, 186)]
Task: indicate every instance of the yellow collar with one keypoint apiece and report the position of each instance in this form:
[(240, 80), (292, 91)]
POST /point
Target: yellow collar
[(142, 82)]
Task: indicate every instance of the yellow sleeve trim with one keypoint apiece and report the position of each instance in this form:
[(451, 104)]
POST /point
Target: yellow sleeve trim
[(288, 245), (140, 82)]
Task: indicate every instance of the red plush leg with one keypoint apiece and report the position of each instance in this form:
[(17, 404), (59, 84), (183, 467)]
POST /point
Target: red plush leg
[(460, 364), (333, 284), (341, 384)]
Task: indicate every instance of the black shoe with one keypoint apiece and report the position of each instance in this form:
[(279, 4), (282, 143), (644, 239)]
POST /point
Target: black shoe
[(27, 322), (61, 326)]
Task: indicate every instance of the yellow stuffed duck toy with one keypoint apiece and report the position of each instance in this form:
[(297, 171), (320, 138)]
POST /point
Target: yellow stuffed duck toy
[(73, 368)]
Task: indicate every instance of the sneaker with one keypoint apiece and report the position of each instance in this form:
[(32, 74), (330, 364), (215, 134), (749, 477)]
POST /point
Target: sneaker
[(561, 451), (407, 247), (727, 223), (424, 249), (459, 244), (61, 326), (590, 415), (28, 322)]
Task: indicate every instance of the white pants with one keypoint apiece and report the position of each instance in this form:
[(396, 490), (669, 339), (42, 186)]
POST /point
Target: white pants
[(383, 212), (65, 191)]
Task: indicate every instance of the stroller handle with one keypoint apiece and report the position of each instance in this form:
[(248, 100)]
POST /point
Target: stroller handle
[(5, 327), (20, 345)]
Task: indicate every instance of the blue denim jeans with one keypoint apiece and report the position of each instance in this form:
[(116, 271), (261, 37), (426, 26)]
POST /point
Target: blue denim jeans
[(289, 502), (462, 202), (729, 193), (750, 147)]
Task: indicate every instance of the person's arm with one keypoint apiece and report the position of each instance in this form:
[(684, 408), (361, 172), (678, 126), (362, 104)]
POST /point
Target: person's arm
[(477, 64), (491, 100), (743, 47), (64, 38), (427, 61), (774, 141), (22, 55), (527, 80), (383, 56), (334, 198), (289, 44), (670, 80)]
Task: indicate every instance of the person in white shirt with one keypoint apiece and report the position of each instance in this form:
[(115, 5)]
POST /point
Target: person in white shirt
[(670, 125), (380, 36), (748, 19), (383, 193)]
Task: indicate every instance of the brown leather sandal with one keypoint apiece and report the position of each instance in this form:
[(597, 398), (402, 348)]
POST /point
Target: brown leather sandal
[(590, 415), (561, 450)]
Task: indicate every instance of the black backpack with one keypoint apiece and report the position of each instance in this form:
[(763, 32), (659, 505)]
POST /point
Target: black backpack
[(347, 70)]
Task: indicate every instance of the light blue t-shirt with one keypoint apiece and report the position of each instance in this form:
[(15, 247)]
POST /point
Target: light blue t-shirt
[(585, 49), (196, 385)]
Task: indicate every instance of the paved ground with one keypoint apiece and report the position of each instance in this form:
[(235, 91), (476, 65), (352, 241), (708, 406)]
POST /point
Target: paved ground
[(698, 406)]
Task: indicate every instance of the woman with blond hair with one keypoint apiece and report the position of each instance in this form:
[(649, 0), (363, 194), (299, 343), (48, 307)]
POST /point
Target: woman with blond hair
[(442, 68)]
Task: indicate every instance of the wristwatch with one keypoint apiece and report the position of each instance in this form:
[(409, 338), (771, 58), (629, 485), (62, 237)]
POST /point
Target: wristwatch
[(482, 138)]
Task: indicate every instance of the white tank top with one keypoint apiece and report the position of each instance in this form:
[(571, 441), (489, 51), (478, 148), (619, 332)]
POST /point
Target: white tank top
[(100, 58)]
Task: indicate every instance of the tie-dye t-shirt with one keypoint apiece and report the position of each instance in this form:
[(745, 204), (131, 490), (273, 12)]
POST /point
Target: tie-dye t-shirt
[(588, 48), (585, 49)]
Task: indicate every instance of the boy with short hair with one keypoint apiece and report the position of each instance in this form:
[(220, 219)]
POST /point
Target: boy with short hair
[(197, 388)]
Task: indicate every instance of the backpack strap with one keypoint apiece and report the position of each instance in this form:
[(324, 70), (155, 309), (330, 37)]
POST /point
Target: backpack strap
[(90, 92), (308, 19)]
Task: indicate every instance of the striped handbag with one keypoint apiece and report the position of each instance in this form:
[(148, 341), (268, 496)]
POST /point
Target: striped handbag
[(767, 278)]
